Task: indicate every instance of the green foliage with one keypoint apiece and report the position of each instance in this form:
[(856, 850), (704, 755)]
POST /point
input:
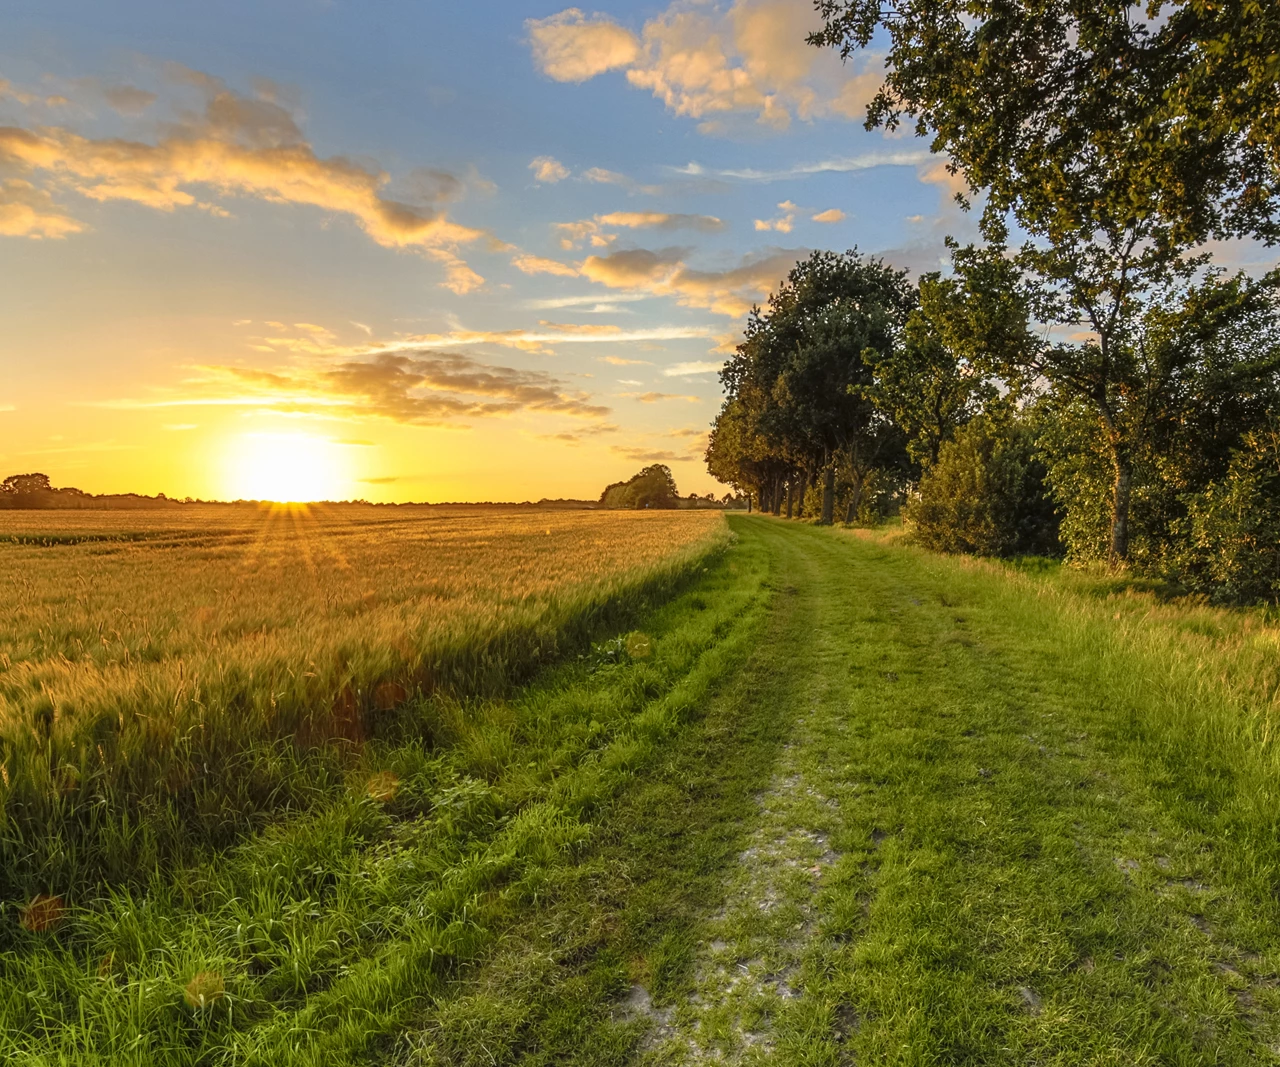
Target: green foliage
[(653, 487), (986, 494), (798, 389), (1079, 115), (1232, 546), (1119, 144)]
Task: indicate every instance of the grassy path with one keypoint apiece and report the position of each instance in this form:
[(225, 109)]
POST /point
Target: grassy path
[(924, 825)]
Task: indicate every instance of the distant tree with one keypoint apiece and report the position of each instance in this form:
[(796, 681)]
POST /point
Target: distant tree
[(652, 487), (26, 491), (26, 483)]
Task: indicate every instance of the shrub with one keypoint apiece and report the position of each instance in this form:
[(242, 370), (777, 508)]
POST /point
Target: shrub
[(1231, 550), (986, 494)]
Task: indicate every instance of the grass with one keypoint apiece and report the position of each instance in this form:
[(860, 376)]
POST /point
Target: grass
[(323, 938), (169, 679), (842, 801)]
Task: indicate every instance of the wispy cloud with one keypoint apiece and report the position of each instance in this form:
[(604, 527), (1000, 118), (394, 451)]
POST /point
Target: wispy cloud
[(656, 398), (682, 370), (648, 455), (573, 234), (424, 388), (843, 165)]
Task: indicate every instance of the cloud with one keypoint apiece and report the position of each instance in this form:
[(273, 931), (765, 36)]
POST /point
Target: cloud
[(128, 99), (664, 273), (386, 479), (242, 146), (423, 387), (661, 220), (532, 264), (618, 361), (842, 165), (708, 61), (680, 370), (634, 268), (591, 302), (647, 455), (654, 398), (548, 170), (570, 47), (576, 437), (26, 211), (783, 224), (572, 234), (9, 91), (833, 214), (526, 340)]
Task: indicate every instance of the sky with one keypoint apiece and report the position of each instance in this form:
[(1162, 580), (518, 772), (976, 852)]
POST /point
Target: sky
[(411, 250)]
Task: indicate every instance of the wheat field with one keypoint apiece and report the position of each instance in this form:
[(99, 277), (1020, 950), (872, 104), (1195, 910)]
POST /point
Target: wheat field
[(168, 670)]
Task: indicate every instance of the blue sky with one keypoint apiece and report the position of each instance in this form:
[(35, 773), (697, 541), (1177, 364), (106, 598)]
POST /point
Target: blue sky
[(447, 250)]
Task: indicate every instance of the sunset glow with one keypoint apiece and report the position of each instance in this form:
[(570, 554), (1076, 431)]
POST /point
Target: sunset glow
[(288, 468)]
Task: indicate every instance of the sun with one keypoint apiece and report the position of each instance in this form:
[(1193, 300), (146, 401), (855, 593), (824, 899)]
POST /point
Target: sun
[(289, 468)]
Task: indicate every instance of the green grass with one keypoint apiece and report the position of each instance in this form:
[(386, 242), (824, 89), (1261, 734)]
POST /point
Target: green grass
[(863, 804)]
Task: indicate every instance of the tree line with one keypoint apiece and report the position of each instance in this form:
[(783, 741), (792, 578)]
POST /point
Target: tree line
[(1084, 378)]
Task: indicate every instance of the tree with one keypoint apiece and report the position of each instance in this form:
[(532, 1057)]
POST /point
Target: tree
[(26, 491), (1095, 132), (1199, 352), (986, 493), (927, 388), (796, 387), (652, 487)]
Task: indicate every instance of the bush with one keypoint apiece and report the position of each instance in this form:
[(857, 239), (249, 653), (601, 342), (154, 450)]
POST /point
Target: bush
[(1231, 551), (986, 494)]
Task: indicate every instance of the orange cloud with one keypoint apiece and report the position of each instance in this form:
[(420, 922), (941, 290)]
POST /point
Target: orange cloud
[(548, 170), (783, 224), (664, 273), (532, 264), (241, 146), (570, 47), (704, 61), (26, 211), (833, 214)]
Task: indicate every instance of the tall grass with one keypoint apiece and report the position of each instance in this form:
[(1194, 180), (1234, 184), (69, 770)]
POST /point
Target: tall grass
[(167, 679), (1193, 690)]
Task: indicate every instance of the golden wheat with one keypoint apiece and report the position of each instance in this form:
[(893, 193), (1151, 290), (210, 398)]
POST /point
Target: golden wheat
[(141, 651)]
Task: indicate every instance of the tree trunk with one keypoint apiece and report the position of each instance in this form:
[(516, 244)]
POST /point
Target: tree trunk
[(790, 495), (777, 496), (804, 488), (855, 501), (1120, 492), (748, 501), (829, 495)]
